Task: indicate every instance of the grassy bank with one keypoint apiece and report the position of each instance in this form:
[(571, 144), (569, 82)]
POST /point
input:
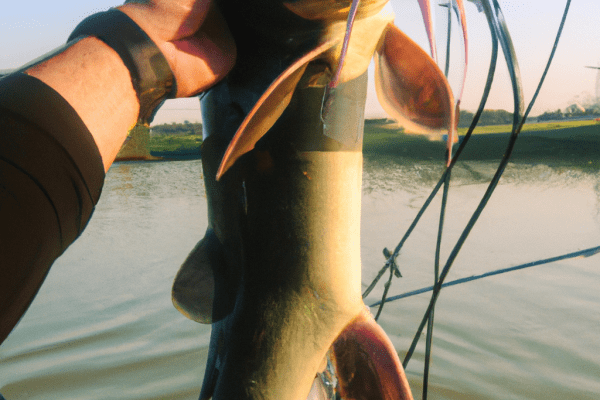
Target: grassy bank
[(553, 127), (556, 142), (566, 141), (171, 146)]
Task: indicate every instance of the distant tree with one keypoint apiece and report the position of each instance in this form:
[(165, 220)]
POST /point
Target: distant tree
[(378, 124), (378, 121), (177, 129), (495, 117), (593, 110), (551, 115), (465, 119), (488, 117), (574, 110)]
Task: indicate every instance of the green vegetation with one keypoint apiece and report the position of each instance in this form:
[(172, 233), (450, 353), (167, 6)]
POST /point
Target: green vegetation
[(488, 117), (577, 141), (389, 140), (502, 117), (175, 129), (574, 111), (574, 143), (177, 143), (539, 126)]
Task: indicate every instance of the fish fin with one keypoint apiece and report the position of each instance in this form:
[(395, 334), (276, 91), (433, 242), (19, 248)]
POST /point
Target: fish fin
[(317, 390), (453, 132), (425, 6), (366, 363), (268, 108), (194, 285), (463, 23), (410, 86)]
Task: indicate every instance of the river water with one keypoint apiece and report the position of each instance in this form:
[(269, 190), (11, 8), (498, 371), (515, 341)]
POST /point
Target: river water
[(103, 327)]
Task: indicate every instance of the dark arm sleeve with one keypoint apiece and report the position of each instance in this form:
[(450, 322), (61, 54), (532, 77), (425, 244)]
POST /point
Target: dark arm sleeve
[(51, 175)]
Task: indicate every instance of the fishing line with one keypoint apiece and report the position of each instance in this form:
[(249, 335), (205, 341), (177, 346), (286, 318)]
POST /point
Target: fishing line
[(349, 24), (488, 85), (449, 33), (499, 23), (493, 12), (445, 179), (497, 27), (386, 288), (582, 253), (438, 245)]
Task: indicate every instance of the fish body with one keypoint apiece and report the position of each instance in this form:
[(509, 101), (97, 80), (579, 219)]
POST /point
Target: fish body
[(278, 271), (285, 222)]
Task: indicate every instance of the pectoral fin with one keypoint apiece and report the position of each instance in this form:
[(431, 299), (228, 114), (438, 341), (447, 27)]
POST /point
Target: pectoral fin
[(194, 285), (268, 108), (410, 86), (317, 391), (366, 363)]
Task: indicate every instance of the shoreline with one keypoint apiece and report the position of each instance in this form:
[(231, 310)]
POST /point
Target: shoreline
[(548, 142)]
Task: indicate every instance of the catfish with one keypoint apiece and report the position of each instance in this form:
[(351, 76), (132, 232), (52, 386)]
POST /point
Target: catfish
[(278, 272)]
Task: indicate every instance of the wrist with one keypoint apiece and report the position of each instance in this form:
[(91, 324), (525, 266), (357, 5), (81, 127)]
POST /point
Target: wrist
[(151, 75), (92, 78), (194, 39)]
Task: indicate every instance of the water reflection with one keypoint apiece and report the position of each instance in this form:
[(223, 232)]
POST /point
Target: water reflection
[(103, 327), (512, 336)]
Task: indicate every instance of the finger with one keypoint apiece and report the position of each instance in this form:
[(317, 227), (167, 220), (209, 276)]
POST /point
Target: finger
[(193, 15), (197, 64)]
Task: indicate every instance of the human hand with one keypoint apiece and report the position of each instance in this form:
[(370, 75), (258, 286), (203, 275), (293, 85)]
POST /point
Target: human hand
[(193, 37)]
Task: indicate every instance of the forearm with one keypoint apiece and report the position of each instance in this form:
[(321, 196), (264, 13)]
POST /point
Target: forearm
[(63, 121), (91, 77), (60, 129), (51, 175)]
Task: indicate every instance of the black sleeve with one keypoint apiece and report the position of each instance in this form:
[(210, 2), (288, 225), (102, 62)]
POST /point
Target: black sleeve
[(51, 175)]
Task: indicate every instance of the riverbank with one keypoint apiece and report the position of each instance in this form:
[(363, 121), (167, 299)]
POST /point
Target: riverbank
[(103, 325), (560, 142), (173, 147), (566, 141)]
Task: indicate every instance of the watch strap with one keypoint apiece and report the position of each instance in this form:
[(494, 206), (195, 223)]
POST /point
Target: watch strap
[(151, 75)]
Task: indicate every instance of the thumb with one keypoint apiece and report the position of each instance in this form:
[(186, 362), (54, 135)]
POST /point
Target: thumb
[(201, 60)]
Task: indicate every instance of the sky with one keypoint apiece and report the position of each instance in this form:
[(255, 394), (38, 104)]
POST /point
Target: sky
[(30, 29)]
